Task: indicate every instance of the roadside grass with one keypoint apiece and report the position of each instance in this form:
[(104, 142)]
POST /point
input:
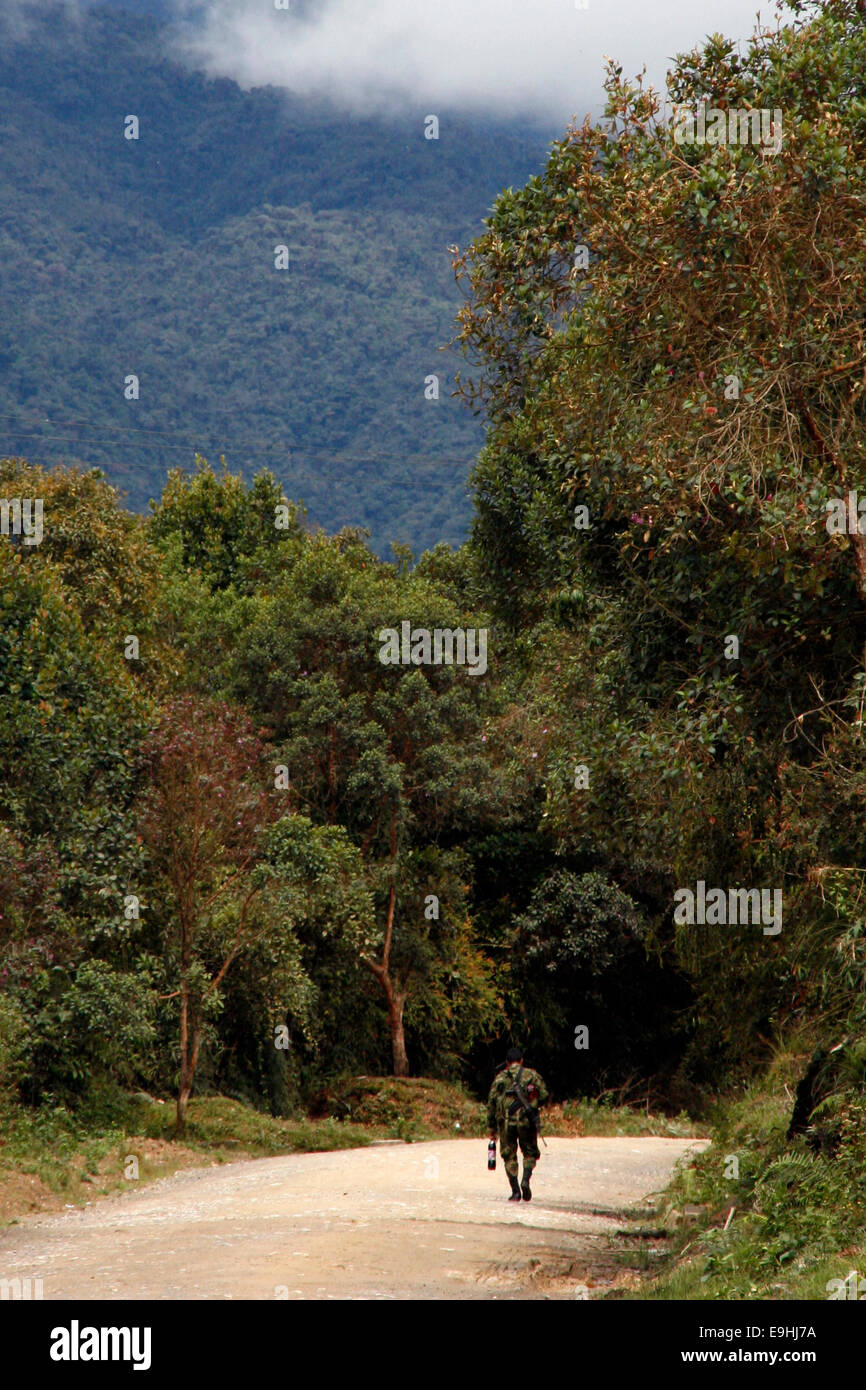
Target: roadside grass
[(54, 1157), (603, 1118), (220, 1126), (798, 1212), (404, 1107)]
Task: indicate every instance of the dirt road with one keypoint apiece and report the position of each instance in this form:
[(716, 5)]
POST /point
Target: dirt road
[(393, 1221)]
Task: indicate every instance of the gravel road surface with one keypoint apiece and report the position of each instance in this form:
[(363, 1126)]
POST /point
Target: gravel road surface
[(393, 1221)]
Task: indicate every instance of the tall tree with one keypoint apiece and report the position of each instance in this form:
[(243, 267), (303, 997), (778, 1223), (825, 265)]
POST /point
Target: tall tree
[(667, 336), (202, 822)]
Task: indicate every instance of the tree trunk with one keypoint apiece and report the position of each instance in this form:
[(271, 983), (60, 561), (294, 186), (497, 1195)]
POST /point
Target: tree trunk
[(184, 1088), (395, 999), (858, 543), (396, 1003), (182, 1101), (190, 1042)]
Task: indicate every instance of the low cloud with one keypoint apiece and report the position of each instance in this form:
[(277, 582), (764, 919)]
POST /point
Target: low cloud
[(17, 16), (534, 57)]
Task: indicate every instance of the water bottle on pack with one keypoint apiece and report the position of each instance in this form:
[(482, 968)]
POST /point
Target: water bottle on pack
[(491, 1154)]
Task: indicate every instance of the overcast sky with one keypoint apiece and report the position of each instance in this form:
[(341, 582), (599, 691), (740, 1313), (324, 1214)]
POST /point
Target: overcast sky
[(540, 57), (509, 57)]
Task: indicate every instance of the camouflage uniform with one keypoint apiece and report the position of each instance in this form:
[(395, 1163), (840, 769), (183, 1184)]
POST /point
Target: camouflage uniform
[(516, 1128)]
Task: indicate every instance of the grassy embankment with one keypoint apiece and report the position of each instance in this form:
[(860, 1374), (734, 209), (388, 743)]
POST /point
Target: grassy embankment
[(799, 1206)]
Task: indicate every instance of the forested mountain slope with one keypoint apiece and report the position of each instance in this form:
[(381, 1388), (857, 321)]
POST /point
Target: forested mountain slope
[(156, 258)]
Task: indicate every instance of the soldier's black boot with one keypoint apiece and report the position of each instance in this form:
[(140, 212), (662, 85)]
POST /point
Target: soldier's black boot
[(524, 1188), (515, 1189)]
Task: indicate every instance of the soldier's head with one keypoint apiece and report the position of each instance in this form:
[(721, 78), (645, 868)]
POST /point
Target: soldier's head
[(514, 1054)]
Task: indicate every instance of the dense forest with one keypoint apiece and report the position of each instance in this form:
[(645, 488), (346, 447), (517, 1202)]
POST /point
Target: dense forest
[(216, 792), (156, 257), (242, 852)]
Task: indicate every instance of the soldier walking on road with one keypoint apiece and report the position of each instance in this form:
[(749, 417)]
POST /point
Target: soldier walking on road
[(512, 1117)]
